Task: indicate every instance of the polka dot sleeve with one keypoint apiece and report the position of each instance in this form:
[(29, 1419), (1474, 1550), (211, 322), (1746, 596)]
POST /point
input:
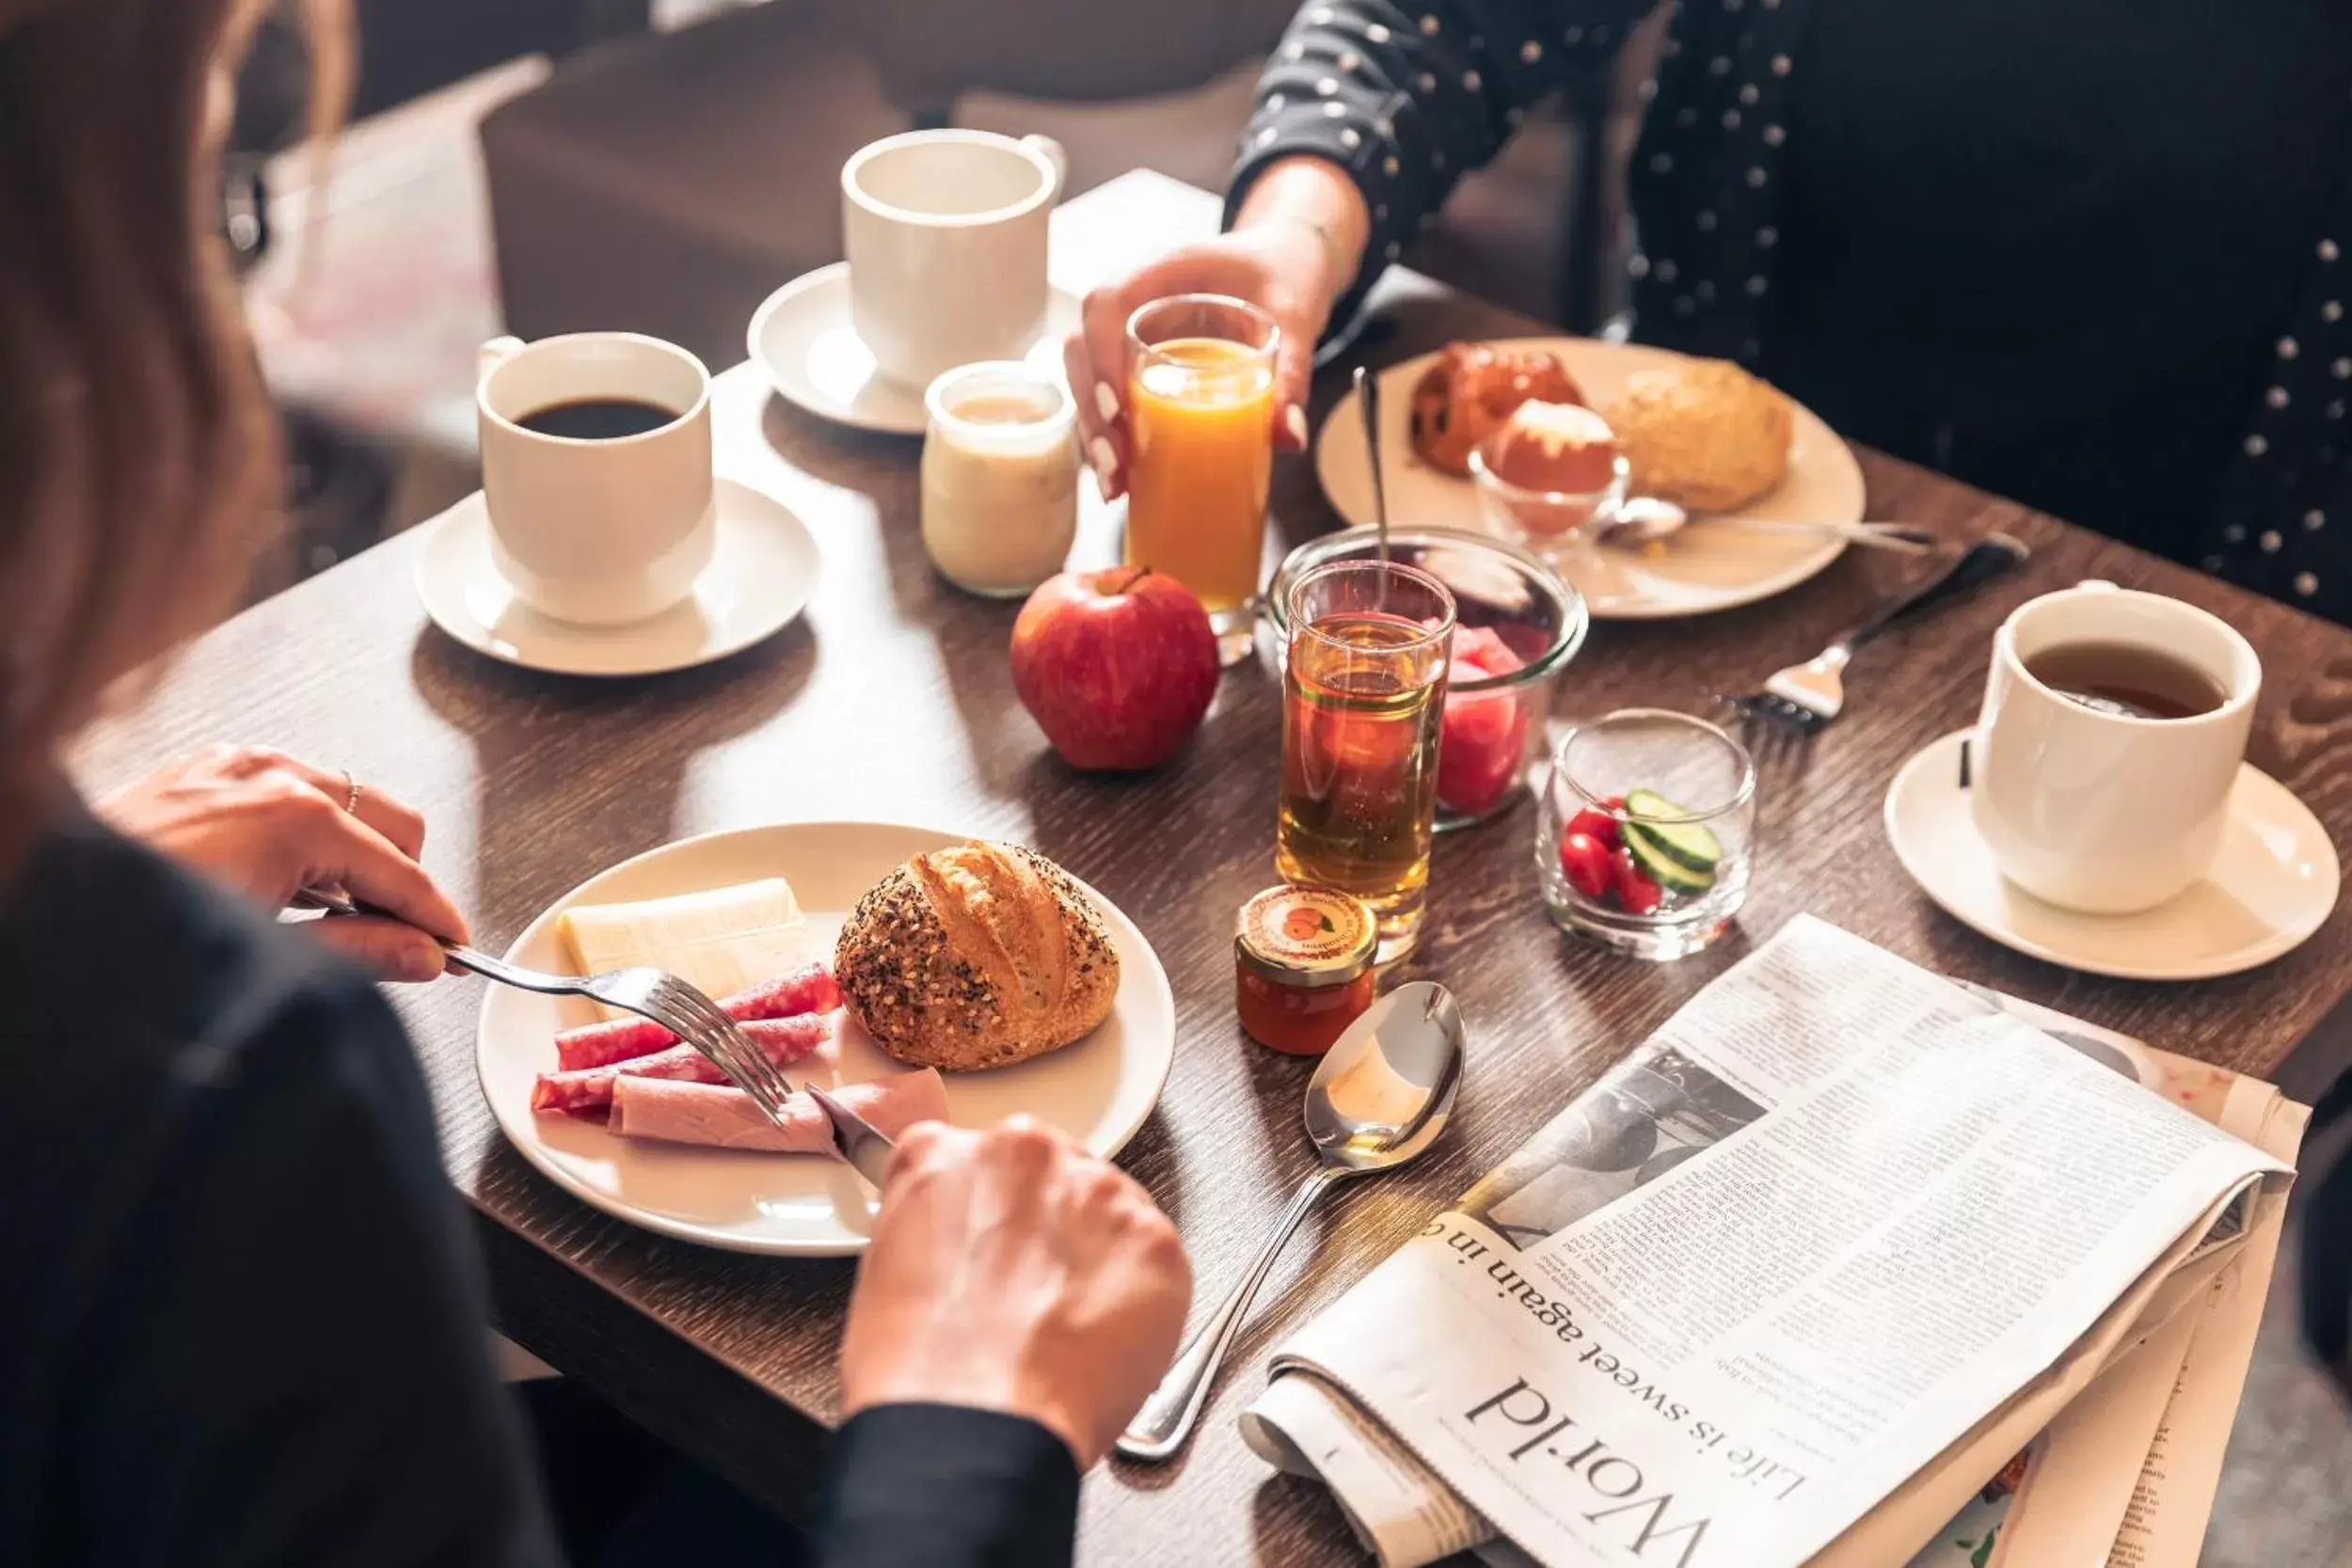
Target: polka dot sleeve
[(1406, 95)]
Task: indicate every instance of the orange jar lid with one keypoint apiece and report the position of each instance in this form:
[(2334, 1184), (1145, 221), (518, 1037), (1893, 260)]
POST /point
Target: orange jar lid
[(1306, 937)]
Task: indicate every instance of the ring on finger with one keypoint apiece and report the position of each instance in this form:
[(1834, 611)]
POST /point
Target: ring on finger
[(351, 797)]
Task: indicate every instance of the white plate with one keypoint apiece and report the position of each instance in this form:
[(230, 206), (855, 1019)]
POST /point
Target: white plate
[(763, 568), (1700, 570), (1099, 1090), (802, 341), (2272, 885)]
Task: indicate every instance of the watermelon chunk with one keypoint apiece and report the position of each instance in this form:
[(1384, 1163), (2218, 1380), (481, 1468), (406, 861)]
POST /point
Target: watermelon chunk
[(1484, 733)]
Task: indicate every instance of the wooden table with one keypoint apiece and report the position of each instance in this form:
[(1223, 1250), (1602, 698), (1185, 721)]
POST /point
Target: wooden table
[(891, 699)]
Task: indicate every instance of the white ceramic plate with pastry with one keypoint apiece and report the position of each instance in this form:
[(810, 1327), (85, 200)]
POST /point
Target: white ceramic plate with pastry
[(1099, 1090), (1703, 569)]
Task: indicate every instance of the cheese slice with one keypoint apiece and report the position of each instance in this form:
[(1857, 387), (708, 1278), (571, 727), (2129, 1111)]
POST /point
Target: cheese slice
[(720, 940)]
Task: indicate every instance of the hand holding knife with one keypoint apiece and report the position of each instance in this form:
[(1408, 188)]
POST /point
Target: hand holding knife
[(866, 1147)]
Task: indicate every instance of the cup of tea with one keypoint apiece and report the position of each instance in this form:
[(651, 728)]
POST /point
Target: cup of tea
[(2113, 726), (595, 470), (945, 236)]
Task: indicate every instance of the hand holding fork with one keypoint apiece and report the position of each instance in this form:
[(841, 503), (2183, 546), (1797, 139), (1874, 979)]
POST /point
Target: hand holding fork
[(682, 1009)]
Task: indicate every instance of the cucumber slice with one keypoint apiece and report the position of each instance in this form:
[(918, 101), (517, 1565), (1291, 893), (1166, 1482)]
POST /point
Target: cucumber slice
[(1687, 844), (1662, 869)]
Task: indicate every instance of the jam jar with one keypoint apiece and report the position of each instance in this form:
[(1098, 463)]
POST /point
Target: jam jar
[(1303, 967)]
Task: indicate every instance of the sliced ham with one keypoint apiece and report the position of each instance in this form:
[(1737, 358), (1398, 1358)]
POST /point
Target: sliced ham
[(804, 990), (722, 1117), (588, 1091)]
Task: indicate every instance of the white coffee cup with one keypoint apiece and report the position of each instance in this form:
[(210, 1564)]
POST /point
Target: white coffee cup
[(597, 531), (945, 236), (2100, 811)]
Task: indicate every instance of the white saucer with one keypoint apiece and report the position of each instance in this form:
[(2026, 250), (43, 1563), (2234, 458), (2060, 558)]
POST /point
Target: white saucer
[(2272, 885), (802, 341), (1701, 570), (760, 575)]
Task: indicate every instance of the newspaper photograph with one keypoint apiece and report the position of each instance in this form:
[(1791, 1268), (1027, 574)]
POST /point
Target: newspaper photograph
[(1653, 1111), (1800, 1248)]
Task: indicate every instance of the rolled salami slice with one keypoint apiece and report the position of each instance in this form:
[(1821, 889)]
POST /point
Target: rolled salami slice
[(720, 1115), (588, 1091), (804, 990)]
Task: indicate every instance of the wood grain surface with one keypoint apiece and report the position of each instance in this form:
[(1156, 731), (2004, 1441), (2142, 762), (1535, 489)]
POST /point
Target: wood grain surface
[(891, 699)]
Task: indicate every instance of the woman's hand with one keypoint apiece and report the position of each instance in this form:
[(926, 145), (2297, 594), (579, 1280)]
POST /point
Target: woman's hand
[(1293, 248), (263, 824), (1012, 1271), (1277, 267)]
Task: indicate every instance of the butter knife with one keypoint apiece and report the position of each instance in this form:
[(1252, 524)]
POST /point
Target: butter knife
[(866, 1147)]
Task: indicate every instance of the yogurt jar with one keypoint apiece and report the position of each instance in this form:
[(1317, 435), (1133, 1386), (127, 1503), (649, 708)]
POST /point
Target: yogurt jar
[(1000, 478)]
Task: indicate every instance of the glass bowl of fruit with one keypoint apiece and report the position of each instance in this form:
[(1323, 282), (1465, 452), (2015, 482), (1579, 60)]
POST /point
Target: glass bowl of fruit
[(1519, 624), (1647, 827)]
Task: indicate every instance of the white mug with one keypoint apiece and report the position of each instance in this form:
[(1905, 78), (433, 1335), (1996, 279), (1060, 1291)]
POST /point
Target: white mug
[(945, 236), (2099, 811), (595, 531)]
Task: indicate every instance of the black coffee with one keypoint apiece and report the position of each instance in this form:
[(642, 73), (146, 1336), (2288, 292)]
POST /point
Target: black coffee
[(598, 418), (2127, 678)]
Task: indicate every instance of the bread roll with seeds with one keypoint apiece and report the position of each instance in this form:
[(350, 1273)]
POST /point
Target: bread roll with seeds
[(976, 956)]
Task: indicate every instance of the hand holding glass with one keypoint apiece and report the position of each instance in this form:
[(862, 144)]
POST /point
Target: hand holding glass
[(1200, 411)]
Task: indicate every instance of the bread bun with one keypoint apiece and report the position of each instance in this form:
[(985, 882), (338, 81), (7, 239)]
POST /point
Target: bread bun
[(1465, 397), (976, 956), (1701, 432)]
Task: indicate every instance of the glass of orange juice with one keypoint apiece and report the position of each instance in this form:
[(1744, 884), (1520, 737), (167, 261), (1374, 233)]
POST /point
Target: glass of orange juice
[(1200, 422)]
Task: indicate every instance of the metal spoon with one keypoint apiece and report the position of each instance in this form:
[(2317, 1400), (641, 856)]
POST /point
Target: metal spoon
[(1639, 520), (1368, 408), (1378, 1099)]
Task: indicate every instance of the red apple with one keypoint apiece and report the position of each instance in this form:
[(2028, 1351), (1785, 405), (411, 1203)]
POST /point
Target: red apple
[(1116, 667)]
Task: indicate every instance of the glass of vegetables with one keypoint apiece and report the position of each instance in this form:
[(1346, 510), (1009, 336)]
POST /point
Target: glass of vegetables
[(1647, 827)]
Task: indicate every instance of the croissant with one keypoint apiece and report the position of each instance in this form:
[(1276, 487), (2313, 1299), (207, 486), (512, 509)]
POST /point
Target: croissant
[(1471, 389), (976, 956)]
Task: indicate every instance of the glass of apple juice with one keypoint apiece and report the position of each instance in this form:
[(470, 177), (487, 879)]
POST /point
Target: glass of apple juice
[(1363, 696)]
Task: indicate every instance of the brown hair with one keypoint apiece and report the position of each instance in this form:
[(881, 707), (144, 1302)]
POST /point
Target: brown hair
[(138, 463)]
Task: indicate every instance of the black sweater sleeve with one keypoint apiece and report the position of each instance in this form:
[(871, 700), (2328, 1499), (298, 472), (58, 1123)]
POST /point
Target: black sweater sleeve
[(1406, 95), (286, 1359), (240, 1320), (939, 1486)]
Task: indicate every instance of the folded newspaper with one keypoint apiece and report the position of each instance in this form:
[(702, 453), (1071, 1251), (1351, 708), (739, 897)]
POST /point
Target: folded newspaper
[(1849, 1265)]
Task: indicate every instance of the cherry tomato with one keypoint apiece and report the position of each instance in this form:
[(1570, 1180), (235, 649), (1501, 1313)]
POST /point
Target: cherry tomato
[(1585, 860), (1599, 823), (1595, 824), (1635, 890)]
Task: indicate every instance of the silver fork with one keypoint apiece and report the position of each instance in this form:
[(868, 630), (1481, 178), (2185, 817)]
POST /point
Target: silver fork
[(681, 1009), (1806, 697), (650, 993)]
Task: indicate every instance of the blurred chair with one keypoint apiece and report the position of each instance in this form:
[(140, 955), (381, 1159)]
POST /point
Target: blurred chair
[(343, 473), (669, 183), (2320, 1071), (929, 54)]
